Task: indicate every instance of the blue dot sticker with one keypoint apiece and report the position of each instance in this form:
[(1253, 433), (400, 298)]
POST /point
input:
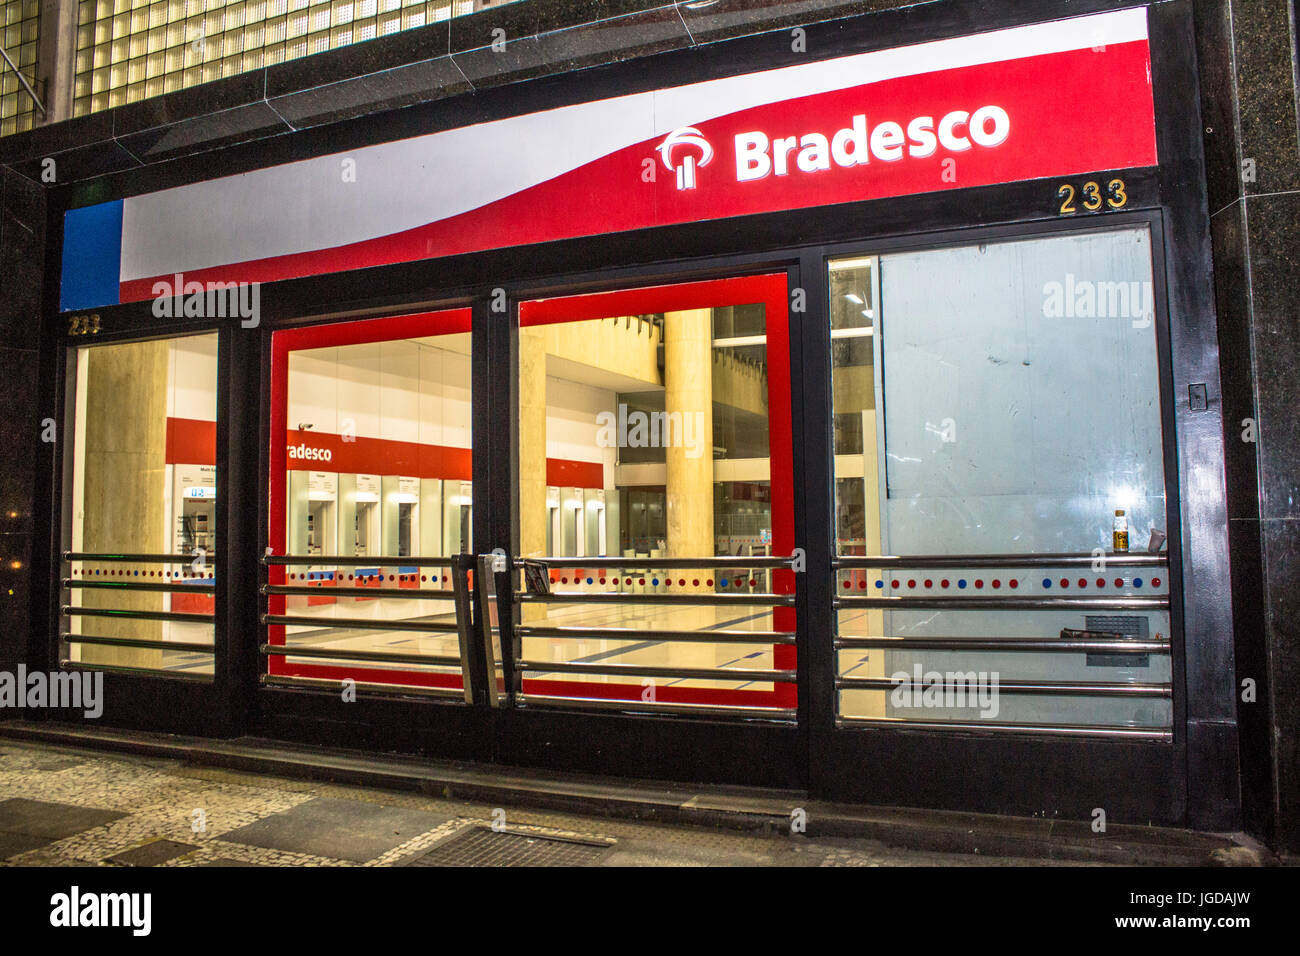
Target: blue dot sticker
[(1047, 582), (961, 583), (880, 584)]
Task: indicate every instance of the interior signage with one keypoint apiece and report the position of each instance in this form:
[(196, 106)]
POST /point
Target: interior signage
[(1058, 99)]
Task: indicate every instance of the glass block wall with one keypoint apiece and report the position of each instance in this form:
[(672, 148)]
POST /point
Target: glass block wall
[(20, 22), (128, 50)]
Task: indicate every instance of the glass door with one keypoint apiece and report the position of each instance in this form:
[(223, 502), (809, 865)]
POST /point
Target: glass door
[(656, 499)]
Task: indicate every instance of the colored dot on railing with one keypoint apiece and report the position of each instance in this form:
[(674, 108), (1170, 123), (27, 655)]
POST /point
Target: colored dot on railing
[(1065, 582), (996, 584), (943, 583), (894, 583), (655, 582), (1119, 582), (695, 583), (602, 580), (979, 583), (1014, 583), (708, 583), (627, 580), (752, 582), (641, 581), (1083, 582), (929, 583), (1137, 582), (1101, 582), (589, 581), (961, 583), (681, 582), (911, 582), (1155, 582), (1047, 582), (723, 582)]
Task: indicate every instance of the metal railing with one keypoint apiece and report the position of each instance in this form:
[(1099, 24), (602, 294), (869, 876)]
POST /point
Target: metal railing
[(170, 579), (363, 660), (524, 596), (1072, 641)]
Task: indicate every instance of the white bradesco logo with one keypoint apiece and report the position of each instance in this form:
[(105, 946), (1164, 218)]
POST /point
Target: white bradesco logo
[(686, 136)]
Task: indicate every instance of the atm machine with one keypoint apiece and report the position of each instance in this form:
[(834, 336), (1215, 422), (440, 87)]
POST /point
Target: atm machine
[(365, 521), (194, 505), (458, 517), (400, 515)]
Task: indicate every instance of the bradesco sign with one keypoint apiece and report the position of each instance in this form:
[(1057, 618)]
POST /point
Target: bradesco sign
[(1055, 99)]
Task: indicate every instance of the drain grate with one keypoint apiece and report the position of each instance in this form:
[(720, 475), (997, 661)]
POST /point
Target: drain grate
[(483, 846)]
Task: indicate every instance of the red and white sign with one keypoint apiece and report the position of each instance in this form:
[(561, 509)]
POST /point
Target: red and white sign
[(1056, 99)]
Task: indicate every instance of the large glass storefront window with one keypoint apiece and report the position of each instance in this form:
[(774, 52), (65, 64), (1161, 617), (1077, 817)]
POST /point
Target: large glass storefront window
[(648, 437), (140, 505), (1002, 400), (374, 467)]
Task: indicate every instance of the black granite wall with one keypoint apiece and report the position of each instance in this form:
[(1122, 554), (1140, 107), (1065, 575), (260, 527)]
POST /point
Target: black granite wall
[(22, 254), (1248, 68)]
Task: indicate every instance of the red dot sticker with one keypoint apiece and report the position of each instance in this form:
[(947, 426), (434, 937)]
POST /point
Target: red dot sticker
[(1065, 582), (911, 582), (1083, 582), (943, 583), (929, 583), (1101, 582), (1119, 582), (1014, 583), (979, 583), (1155, 582), (996, 583)]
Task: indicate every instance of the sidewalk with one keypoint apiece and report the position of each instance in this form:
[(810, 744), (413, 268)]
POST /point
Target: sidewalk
[(69, 796)]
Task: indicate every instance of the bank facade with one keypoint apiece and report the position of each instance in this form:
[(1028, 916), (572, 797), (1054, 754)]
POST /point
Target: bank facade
[(852, 405)]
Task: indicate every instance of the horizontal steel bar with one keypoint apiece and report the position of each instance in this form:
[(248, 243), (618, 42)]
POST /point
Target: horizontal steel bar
[(1003, 644), (393, 592), (208, 558), (161, 672), (72, 611), (1044, 688), (138, 642), (390, 657), (397, 690), (360, 624), (955, 561), (1134, 603), (590, 597), (165, 586), (337, 560), (637, 670), (609, 561), (783, 714), (1069, 730), (640, 634)]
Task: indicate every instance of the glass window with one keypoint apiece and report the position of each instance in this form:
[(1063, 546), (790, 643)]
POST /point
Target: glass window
[(1003, 399), (141, 501), (376, 468)]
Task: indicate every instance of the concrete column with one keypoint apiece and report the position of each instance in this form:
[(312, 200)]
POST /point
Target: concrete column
[(125, 467), (688, 400), (532, 452)]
